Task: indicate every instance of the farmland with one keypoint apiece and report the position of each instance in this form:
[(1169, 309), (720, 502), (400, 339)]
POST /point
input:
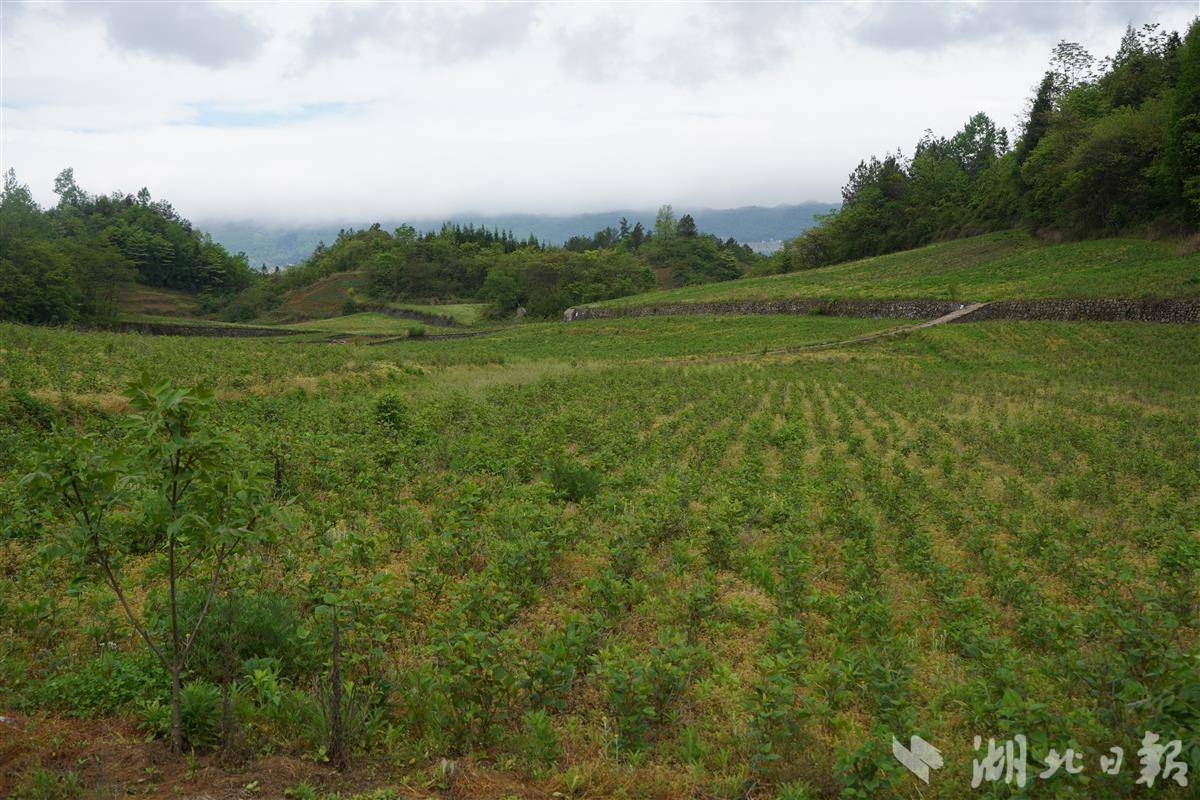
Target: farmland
[(640, 558), (998, 266)]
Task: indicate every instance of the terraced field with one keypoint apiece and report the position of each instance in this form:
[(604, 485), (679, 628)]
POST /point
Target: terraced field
[(612, 565), (999, 266)]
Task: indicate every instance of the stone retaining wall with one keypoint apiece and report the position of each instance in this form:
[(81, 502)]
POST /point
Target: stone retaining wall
[(174, 329), (1099, 310), (897, 309), (419, 316)]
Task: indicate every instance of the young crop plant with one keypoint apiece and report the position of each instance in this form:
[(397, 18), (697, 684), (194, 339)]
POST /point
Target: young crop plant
[(172, 485)]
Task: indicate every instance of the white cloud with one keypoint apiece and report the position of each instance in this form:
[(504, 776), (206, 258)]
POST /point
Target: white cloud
[(383, 110), (203, 33)]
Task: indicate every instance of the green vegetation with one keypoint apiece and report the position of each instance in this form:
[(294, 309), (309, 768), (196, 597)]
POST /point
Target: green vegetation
[(998, 266), (462, 313), (74, 261), (604, 563), (460, 263), (1107, 148)]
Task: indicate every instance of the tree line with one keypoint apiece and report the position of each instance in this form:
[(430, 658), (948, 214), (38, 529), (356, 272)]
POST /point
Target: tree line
[(469, 263), (67, 263), (1109, 146)]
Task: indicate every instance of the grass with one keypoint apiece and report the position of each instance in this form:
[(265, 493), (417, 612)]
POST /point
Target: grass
[(1009, 265), (659, 575), (364, 322), (323, 298), (463, 313), (136, 299)]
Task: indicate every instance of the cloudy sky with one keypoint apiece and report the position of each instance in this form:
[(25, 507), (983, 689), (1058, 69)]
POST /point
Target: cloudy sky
[(296, 111)]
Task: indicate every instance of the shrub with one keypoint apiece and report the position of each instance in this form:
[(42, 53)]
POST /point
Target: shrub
[(540, 742), (572, 480), (640, 689), (44, 784), (250, 626), (106, 684), (199, 713), (394, 413)]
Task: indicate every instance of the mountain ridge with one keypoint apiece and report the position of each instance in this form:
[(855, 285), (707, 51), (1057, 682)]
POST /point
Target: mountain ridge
[(280, 244)]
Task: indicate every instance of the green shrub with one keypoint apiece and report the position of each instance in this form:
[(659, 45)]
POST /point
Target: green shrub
[(394, 413), (540, 743), (104, 685), (641, 688), (44, 784), (572, 480), (244, 627), (200, 715)]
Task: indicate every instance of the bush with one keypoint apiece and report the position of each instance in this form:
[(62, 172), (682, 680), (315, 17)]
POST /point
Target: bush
[(107, 684), (394, 413), (258, 626), (44, 784), (540, 741), (199, 711), (572, 480), (640, 689)]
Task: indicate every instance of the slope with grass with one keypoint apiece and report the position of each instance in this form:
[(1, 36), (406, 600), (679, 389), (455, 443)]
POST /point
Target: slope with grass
[(1000, 266)]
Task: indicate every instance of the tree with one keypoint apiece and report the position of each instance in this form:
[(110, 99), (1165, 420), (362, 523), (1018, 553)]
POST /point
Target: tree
[(687, 226), (637, 237), (664, 223), (68, 191), (172, 476), (1039, 118), (356, 609), (1182, 158)]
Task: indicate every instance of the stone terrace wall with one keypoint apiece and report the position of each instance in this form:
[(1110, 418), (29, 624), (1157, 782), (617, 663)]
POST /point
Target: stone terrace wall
[(1099, 310), (898, 309), (420, 316), (172, 329)]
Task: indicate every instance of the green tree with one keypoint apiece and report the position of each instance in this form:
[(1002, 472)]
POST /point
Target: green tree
[(171, 477), (664, 223), (1182, 158)]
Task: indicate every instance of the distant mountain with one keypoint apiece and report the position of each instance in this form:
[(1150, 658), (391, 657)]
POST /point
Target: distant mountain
[(761, 227)]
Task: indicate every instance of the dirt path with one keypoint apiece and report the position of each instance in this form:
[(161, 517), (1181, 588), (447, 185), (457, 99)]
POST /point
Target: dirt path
[(888, 333)]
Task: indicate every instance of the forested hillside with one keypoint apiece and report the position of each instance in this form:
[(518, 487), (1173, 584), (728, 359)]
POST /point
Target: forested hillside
[(67, 263), (460, 263), (1108, 146)]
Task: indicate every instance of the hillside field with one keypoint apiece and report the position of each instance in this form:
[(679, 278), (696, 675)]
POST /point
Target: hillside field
[(1002, 266), (638, 558)]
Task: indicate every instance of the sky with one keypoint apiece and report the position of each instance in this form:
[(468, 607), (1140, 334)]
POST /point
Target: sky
[(306, 111)]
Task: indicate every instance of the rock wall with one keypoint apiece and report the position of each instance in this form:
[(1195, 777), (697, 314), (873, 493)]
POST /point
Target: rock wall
[(419, 316), (181, 329), (897, 309), (1099, 310)]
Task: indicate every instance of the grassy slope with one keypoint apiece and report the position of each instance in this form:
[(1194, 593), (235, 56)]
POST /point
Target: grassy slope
[(998, 266), (327, 297), (135, 300), (464, 313), (324, 298)]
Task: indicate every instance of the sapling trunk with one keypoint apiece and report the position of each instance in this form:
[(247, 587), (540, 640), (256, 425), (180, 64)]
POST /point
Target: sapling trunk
[(337, 752)]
